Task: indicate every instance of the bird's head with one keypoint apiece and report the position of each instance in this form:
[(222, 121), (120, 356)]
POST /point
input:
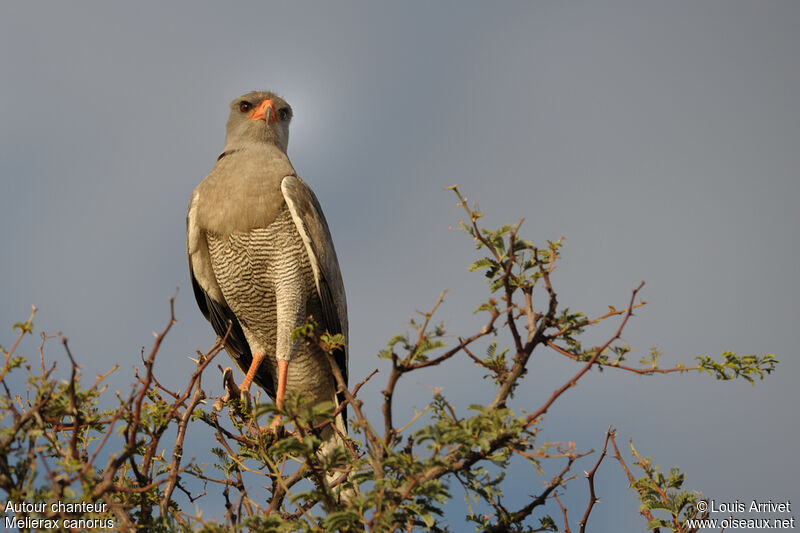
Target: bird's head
[(258, 116)]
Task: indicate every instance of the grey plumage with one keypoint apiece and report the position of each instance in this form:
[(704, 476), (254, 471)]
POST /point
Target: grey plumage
[(264, 273), (261, 256)]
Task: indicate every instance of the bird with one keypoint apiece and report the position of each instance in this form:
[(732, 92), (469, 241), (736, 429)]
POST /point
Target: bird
[(262, 261)]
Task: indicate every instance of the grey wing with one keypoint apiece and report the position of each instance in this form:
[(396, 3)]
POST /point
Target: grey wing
[(307, 215), (212, 303)]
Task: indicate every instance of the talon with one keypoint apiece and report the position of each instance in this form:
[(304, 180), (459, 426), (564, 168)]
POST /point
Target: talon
[(231, 389), (275, 429), (276, 425), (244, 398)]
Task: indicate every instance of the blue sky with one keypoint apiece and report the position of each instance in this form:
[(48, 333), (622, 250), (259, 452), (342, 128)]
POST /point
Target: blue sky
[(660, 138)]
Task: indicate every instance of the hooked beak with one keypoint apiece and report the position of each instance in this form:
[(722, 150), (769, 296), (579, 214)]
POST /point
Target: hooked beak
[(265, 112)]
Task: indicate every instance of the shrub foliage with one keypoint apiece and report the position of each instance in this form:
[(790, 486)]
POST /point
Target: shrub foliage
[(80, 456)]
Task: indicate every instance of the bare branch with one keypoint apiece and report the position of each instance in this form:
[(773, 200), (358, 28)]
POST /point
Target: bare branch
[(571, 383), (177, 450), (614, 364), (645, 512), (590, 477)]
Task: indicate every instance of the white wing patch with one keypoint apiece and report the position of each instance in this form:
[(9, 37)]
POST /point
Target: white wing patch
[(197, 250), (298, 221)]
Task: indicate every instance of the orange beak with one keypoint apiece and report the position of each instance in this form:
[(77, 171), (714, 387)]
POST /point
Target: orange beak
[(264, 111)]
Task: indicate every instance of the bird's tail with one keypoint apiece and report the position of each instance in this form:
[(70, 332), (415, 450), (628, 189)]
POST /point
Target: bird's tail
[(332, 438)]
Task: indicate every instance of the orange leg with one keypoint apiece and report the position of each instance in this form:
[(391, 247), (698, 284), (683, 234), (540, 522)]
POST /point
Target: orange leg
[(283, 371), (258, 357)]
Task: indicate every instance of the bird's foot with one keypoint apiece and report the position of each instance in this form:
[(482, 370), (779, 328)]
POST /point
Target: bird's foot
[(276, 425), (273, 432), (232, 392), (275, 428)]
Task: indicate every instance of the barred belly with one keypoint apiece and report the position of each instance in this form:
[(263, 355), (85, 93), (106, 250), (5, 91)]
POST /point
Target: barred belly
[(264, 274)]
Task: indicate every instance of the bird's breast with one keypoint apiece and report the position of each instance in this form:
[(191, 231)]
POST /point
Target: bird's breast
[(242, 192), (249, 265)]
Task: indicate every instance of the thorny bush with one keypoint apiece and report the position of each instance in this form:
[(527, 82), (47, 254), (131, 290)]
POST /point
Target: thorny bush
[(63, 440)]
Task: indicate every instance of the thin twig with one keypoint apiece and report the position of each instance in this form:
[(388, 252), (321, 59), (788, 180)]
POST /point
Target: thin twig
[(557, 481), (563, 512), (73, 404), (10, 352), (593, 499), (631, 480), (571, 383), (177, 451), (613, 364)]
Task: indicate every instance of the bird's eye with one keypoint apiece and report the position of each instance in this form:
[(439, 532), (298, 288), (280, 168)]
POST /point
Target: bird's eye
[(284, 113), (244, 107)]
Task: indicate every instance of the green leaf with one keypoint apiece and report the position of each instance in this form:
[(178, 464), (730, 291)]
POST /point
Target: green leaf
[(483, 262)]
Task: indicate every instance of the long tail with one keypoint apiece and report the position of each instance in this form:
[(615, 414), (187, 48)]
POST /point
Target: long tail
[(331, 439)]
